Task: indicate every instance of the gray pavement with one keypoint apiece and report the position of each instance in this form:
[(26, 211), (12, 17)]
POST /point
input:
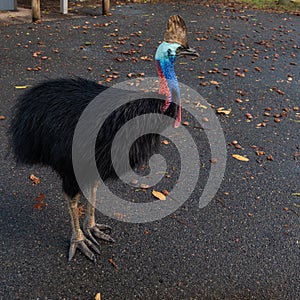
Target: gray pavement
[(246, 243)]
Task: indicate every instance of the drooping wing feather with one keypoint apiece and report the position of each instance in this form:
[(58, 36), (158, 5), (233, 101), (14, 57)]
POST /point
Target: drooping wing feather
[(176, 31)]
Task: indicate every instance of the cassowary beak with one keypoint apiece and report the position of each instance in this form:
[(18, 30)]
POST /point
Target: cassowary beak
[(187, 51)]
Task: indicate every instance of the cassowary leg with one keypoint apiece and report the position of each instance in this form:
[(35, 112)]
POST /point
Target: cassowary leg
[(78, 240), (90, 227)]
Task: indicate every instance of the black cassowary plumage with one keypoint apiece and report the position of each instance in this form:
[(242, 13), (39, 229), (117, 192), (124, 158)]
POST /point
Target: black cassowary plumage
[(45, 119)]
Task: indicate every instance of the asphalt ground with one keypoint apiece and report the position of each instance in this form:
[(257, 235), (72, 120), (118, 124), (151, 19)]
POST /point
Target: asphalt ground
[(245, 243)]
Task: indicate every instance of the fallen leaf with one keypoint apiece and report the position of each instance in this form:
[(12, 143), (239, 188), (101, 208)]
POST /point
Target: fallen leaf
[(263, 124), (2, 117), (40, 198), (113, 263), (198, 104), (296, 121), (39, 206), (214, 82), (203, 83), (224, 111), (260, 152), (295, 155), (36, 54), (158, 195), (296, 194), (34, 179), (20, 87), (98, 296), (277, 90), (240, 157), (120, 216), (144, 186), (165, 192), (134, 181), (239, 74), (146, 58), (249, 116), (277, 120)]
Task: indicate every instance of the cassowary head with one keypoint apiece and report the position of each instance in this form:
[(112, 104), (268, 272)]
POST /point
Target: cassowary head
[(174, 44)]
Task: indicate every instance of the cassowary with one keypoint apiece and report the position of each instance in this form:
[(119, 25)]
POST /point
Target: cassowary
[(45, 119)]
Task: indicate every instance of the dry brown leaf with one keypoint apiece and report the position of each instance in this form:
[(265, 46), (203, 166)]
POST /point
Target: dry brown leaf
[(40, 198), (34, 179), (98, 296), (263, 124), (39, 206), (248, 116), (239, 74), (224, 111), (159, 195), (120, 216), (144, 186), (240, 157), (165, 192), (260, 152), (113, 263)]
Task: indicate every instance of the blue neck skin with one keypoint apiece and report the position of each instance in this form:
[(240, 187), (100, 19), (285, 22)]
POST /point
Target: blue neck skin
[(166, 56), (167, 67)]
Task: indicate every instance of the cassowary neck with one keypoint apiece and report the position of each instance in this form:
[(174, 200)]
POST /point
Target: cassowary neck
[(168, 84)]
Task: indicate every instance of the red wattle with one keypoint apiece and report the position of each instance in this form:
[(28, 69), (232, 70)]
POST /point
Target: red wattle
[(163, 86), (164, 90)]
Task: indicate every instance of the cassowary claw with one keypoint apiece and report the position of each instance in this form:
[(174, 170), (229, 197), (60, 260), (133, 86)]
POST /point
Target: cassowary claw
[(83, 246), (86, 243), (97, 231)]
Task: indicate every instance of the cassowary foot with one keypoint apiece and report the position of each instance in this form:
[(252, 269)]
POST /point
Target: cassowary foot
[(83, 246), (97, 231)]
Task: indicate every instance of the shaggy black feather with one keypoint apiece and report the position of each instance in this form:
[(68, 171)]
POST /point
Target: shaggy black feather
[(45, 118)]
